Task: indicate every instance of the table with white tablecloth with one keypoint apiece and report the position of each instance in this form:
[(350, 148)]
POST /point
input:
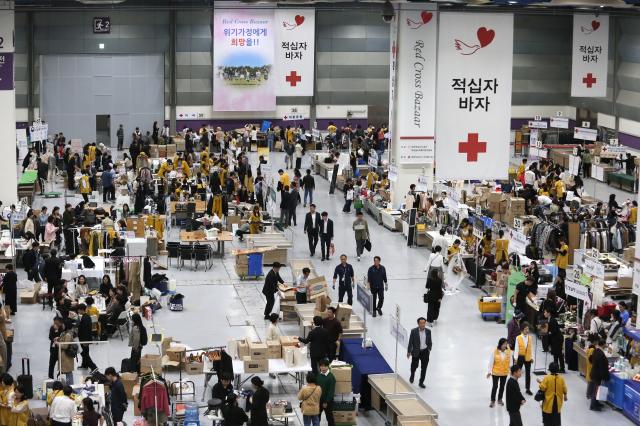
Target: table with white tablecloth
[(276, 366), (74, 268)]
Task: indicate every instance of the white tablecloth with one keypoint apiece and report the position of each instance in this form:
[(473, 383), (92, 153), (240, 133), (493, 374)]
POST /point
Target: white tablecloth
[(72, 269), (276, 366)]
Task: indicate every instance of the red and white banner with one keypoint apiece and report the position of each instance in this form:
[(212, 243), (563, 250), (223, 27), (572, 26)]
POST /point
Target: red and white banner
[(473, 119), (415, 85), (590, 60), (295, 51)]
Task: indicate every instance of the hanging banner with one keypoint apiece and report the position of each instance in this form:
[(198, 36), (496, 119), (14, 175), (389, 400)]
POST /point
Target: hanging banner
[(243, 60), (559, 122), (295, 51), (7, 33), (6, 71), (473, 119), (585, 134), (590, 59), (415, 85)]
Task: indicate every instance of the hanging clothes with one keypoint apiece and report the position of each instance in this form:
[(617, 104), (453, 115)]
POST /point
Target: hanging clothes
[(133, 279), (146, 273)]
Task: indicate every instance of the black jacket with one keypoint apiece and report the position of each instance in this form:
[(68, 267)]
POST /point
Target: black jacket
[(53, 270), (414, 342), (118, 400), (84, 328), (329, 233), (234, 415), (271, 283), (29, 259), (514, 396), (259, 407), (434, 287), (599, 366), (284, 200), (293, 200), (308, 182), (318, 340), (308, 227)]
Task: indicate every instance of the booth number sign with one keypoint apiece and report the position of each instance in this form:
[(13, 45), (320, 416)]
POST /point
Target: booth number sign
[(102, 25)]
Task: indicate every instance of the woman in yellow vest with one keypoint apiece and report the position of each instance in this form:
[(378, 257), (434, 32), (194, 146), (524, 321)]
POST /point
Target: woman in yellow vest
[(562, 258), (486, 243), (165, 167), (523, 353), (6, 399), (182, 164), (633, 213), (555, 393), (255, 220), (502, 248), (19, 408), (453, 250), (372, 177), (590, 349), (85, 186), (499, 365)]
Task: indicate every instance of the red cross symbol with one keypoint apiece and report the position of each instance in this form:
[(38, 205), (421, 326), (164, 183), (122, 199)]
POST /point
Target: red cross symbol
[(472, 147), (589, 80), (293, 78)]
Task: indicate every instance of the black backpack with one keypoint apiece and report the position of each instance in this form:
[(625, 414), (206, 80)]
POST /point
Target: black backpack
[(144, 338)]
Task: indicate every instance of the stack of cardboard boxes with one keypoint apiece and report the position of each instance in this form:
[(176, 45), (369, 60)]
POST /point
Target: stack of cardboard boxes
[(256, 355), (343, 313), (342, 373), (256, 361), (515, 208), (497, 203)]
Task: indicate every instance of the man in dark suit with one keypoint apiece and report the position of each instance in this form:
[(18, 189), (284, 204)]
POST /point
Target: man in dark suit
[(599, 372), (270, 288), (53, 271), (318, 340), (326, 235), (312, 228), (85, 335), (419, 349), (514, 396), (285, 201)]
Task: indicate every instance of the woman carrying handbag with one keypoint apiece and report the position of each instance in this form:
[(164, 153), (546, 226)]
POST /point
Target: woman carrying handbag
[(552, 393), (433, 296)]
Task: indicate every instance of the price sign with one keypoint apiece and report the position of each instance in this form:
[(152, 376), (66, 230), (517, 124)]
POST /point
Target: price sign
[(477, 232), (518, 241), (425, 183), (517, 223), (591, 266), (393, 173), (373, 161), (537, 124)]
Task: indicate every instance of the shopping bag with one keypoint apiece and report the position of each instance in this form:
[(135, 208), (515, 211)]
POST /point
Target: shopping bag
[(602, 393), (367, 245), (288, 357), (276, 305)]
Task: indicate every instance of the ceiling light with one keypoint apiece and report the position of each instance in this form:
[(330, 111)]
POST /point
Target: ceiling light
[(513, 2), (101, 46)]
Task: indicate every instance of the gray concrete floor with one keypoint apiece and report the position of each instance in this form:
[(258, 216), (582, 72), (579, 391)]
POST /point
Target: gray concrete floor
[(219, 307)]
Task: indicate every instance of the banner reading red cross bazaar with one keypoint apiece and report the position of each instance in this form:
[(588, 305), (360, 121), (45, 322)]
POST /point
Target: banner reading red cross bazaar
[(473, 114)]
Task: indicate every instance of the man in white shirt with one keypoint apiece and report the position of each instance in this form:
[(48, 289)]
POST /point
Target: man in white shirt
[(441, 240), (301, 286), (63, 408), (529, 177)]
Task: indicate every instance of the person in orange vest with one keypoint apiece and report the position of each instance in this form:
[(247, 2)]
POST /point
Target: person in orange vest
[(523, 353), (499, 365)]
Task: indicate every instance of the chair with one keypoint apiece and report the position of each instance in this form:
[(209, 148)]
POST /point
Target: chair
[(122, 321), (202, 253), (173, 250), (186, 253)]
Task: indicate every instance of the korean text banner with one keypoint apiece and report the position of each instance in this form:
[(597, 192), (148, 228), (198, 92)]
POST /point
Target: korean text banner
[(590, 57), (295, 49), (415, 80), (473, 118), (243, 60)]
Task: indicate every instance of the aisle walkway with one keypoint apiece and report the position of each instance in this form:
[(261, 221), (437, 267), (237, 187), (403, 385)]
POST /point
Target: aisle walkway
[(218, 307)]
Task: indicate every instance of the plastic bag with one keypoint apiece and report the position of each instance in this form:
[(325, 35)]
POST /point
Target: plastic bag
[(602, 393)]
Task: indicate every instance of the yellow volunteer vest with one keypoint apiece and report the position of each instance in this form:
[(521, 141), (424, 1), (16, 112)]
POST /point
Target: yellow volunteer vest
[(501, 366), (528, 353)]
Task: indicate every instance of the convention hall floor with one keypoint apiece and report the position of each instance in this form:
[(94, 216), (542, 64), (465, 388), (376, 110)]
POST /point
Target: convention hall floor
[(219, 307)]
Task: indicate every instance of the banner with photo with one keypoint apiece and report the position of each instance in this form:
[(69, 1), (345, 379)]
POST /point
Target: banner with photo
[(243, 60), (473, 119), (590, 59), (295, 51), (415, 85)]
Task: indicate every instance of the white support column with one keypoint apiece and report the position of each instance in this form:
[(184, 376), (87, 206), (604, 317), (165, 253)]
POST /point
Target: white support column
[(8, 174)]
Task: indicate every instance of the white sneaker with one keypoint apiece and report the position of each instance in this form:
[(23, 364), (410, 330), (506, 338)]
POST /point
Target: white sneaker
[(358, 258)]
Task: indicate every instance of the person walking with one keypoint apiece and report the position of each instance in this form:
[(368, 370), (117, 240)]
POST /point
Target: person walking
[(349, 195), (137, 339), (346, 279), (420, 345), (294, 201), (514, 397), (361, 231), (85, 186), (434, 296), (523, 354), (309, 397), (333, 326), (326, 235), (318, 341), (309, 185), (118, 395), (85, 334), (108, 186), (285, 219), (377, 282), (499, 364), (270, 288), (327, 381), (120, 136), (312, 228), (10, 288), (555, 393), (55, 331), (599, 373)]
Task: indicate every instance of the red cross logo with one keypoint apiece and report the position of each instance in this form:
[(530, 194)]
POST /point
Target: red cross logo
[(589, 80), (472, 147), (293, 78)]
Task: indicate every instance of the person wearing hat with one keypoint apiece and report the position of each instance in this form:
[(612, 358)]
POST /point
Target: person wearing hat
[(223, 389), (270, 288), (259, 401), (232, 414)]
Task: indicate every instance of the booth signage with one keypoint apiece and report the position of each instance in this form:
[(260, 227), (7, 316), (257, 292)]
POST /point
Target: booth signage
[(7, 37), (537, 124), (576, 290), (590, 58), (38, 131), (363, 294), (425, 183), (6, 71), (585, 134), (559, 122), (393, 173), (473, 119), (592, 267), (518, 241), (102, 25)]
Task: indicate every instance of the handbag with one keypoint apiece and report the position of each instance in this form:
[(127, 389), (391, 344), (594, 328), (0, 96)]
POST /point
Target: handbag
[(358, 204), (367, 245), (602, 393), (539, 395)]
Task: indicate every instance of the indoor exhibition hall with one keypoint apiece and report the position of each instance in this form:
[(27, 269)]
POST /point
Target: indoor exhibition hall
[(304, 213)]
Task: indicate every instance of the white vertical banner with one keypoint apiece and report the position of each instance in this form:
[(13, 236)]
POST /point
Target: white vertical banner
[(393, 49), (590, 59), (295, 50), (473, 119), (7, 37), (415, 82)]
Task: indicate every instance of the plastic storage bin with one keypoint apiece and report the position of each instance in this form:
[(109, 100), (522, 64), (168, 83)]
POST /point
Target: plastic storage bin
[(255, 264)]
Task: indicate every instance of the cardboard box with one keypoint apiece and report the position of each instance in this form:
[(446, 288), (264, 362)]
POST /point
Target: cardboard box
[(288, 341), (27, 297), (317, 286), (348, 417), (344, 314), (343, 387), (255, 365), (129, 380), (274, 349), (176, 353), (625, 282), (342, 373), (171, 150), (194, 368), (494, 197), (147, 361), (322, 303), (136, 399), (243, 349), (322, 315), (166, 344), (629, 254), (257, 350)]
